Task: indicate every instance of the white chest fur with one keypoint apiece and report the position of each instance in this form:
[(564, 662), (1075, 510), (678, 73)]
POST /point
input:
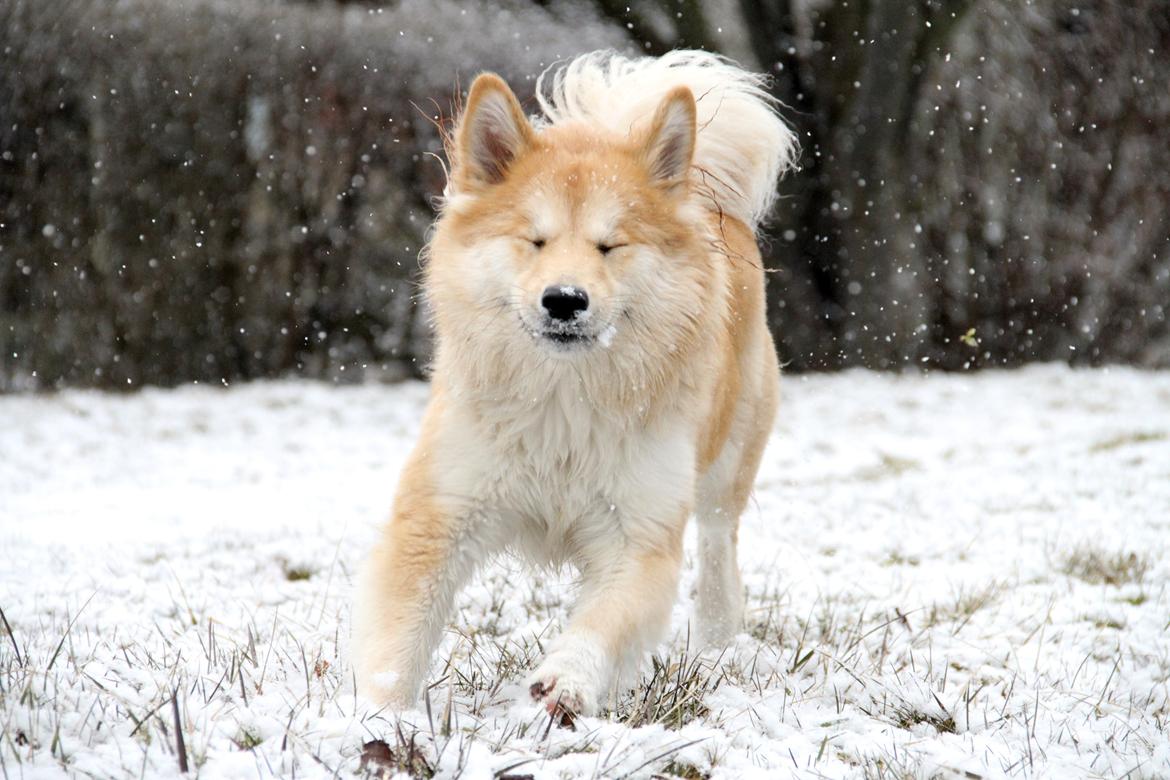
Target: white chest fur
[(556, 477)]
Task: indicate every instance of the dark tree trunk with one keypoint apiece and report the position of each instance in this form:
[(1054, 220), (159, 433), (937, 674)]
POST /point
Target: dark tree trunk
[(849, 284)]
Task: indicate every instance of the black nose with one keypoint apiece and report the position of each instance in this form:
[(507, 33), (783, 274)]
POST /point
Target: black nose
[(563, 302)]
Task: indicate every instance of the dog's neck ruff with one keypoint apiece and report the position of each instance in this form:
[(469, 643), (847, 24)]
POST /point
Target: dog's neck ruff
[(603, 386)]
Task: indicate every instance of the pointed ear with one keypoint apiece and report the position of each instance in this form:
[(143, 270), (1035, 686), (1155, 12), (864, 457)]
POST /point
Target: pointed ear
[(492, 132), (670, 145)]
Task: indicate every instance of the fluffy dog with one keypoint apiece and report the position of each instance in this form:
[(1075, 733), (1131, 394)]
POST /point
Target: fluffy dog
[(603, 368)]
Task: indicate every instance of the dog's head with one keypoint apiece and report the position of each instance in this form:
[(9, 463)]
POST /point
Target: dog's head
[(568, 241)]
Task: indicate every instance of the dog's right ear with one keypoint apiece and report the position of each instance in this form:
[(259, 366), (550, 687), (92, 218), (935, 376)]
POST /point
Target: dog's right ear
[(492, 133)]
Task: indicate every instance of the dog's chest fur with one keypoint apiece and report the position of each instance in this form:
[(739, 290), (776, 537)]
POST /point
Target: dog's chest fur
[(558, 476)]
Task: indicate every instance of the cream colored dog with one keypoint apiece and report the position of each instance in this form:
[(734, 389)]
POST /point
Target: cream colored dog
[(603, 365)]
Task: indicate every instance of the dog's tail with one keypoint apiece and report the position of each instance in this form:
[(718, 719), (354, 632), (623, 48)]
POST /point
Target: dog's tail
[(742, 145)]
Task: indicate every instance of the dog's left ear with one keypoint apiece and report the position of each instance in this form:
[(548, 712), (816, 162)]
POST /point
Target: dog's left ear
[(492, 133), (670, 145)]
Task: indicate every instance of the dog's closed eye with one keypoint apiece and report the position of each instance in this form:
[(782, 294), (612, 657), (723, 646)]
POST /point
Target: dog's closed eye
[(605, 249)]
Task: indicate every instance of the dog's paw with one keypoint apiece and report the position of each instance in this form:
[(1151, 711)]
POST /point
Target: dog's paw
[(569, 682), (562, 702), (387, 689)]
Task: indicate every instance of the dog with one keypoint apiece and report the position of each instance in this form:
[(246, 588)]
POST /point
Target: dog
[(603, 368)]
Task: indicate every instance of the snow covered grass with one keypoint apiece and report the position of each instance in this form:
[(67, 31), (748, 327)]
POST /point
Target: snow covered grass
[(957, 576)]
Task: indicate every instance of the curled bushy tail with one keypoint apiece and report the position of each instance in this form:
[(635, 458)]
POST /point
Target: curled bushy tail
[(742, 145)]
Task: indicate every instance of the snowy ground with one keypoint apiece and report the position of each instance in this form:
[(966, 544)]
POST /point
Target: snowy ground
[(962, 576)]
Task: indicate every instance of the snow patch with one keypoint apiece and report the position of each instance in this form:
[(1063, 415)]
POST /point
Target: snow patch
[(944, 575), (606, 336)]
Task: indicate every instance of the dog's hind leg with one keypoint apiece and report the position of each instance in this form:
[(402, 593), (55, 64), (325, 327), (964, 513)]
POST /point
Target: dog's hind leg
[(719, 590), (722, 495)]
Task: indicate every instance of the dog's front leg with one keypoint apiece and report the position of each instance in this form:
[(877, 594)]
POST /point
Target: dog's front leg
[(406, 594), (624, 608)]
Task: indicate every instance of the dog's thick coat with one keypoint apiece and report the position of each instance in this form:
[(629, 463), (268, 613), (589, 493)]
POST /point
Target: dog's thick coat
[(603, 365)]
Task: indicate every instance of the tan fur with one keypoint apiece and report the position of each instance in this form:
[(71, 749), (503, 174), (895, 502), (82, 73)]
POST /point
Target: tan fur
[(593, 450)]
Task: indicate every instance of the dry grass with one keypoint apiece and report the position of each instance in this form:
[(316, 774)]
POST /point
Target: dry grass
[(1099, 566), (166, 693)]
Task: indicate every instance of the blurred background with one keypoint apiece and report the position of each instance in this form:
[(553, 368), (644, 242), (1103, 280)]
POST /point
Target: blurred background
[(218, 190)]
